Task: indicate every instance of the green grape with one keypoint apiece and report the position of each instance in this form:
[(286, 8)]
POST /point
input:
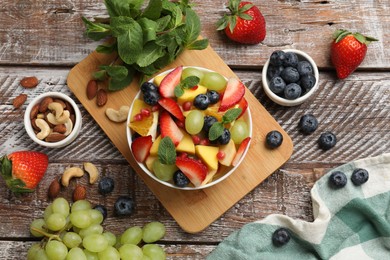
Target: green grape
[(61, 206), (110, 253), (95, 243), (153, 232), (33, 250), (80, 218), (81, 205), (76, 253), (56, 222), (154, 252), (92, 229), (145, 257), (56, 250), (96, 216), (48, 211), (132, 235), (90, 255), (239, 131), (194, 122), (192, 72), (71, 239), (164, 171), (37, 224), (213, 81), (76, 229), (130, 252), (41, 255), (110, 237)]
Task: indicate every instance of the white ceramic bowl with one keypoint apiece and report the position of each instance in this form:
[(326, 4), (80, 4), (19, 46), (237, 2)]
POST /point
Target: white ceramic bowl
[(283, 101), (76, 126), (247, 117)]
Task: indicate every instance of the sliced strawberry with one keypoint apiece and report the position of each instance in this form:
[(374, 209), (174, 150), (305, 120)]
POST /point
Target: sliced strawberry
[(244, 144), (169, 128), (243, 104), (195, 170), (234, 92), (141, 147), (172, 107), (169, 82)]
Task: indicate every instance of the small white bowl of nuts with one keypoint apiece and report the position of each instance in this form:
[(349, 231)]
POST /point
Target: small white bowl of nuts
[(52, 119)]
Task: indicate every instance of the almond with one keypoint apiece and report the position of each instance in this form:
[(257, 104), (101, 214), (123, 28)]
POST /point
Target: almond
[(34, 111), (92, 89), (79, 193), (44, 104), (101, 99), (54, 189), (29, 82), (55, 137), (19, 100), (34, 126), (60, 129)]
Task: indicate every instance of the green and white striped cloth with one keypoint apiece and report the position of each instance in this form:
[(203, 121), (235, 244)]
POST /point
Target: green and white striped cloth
[(349, 223)]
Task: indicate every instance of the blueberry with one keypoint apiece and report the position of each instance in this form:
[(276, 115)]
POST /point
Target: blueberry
[(292, 91), (304, 68), (123, 206), (277, 85), (274, 139), (308, 124), (208, 122), (213, 96), (148, 87), (337, 180), (327, 140), (201, 101), (359, 176), (307, 82), (225, 137), (280, 237), (135, 136), (290, 60), (180, 179), (151, 98), (290, 75), (277, 58), (102, 209), (106, 185), (274, 71)]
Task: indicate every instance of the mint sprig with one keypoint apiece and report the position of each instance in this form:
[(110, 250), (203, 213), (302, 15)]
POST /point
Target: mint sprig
[(217, 128), (166, 151), (186, 83)]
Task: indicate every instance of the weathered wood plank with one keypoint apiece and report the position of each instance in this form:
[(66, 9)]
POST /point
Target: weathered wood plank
[(51, 32)]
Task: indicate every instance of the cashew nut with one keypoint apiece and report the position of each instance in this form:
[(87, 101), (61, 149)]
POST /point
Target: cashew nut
[(42, 116), (69, 174), (118, 115), (56, 108), (61, 120), (45, 128), (69, 127), (93, 172)]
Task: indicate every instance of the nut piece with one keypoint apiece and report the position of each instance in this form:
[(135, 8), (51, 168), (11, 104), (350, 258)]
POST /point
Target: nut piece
[(44, 104), (93, 172), (19, 100), (57, 100), (118, 115), (92, 89), (61, 129), (79, 193), (101, 98), (29, 82), (55, 137), (71, 173), (56, 108), (34, 111), (54, 189), (45, 128), (51, 118)]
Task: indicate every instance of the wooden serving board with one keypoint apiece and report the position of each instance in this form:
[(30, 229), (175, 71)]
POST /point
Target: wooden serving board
[(193, 210)]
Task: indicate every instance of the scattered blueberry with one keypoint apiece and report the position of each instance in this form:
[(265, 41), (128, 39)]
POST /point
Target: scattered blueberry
[(290, 75), (308, 124), (337, 179), (106, 185), (307, 82), (304, 68), (123, 206), (201, 101), (135, 136), (274, 139), (274, 71), (151, 98), (213, 96), (292, 91), (225, 137), (359, 176), (290, 59), (208, 122), (277, 58), (180, 179), (277, 85), (327, 140), (148, 87), (280, 237), (102, 209)]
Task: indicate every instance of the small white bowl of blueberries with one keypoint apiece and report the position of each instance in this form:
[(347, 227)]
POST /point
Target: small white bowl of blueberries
[(290, 77)]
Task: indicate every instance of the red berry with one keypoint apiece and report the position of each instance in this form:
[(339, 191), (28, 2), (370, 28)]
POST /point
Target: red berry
[(155, 108), (183, 155), (196, 139), (187, 106), (194, 87), (220, 155), (145, 112), (137, 117), (180, 124), (205, 142)]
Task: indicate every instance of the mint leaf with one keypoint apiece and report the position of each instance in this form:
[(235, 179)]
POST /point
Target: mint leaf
[(149, 28), (162, 23), (150, 53), (153, 10), (231, 115), (96, 31), (189, 82), (106, 48), (115, 84), (166, 151), (116, 71), (178, 91), (192, 26), (100, 75), (130, 40), (215, 131), (198, 45)]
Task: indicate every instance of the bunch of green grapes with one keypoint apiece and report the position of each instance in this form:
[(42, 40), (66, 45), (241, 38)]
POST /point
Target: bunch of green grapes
[(75, 232)]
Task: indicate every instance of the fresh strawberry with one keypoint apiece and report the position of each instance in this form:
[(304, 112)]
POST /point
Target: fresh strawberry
[(169, 128), (243, 104), (170, 81), (245, 24), (348, 51), (141, 147), (172, 107), (195, 170), (240, 151), (23, 170), (234, 92)]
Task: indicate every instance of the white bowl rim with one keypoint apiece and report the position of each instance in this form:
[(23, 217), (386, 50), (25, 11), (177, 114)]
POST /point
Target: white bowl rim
[(287, 102), (70, 137), (149, 173)]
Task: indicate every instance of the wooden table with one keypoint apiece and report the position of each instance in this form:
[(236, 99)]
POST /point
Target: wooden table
[(45, 39)]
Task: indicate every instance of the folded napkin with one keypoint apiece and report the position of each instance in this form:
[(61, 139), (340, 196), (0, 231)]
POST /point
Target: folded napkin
[(352, 222)]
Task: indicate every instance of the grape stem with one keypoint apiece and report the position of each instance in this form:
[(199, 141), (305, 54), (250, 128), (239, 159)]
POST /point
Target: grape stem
[(50, 236)]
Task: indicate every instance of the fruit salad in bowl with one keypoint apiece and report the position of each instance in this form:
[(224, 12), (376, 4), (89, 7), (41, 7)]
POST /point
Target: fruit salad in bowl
[(189, 128)]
